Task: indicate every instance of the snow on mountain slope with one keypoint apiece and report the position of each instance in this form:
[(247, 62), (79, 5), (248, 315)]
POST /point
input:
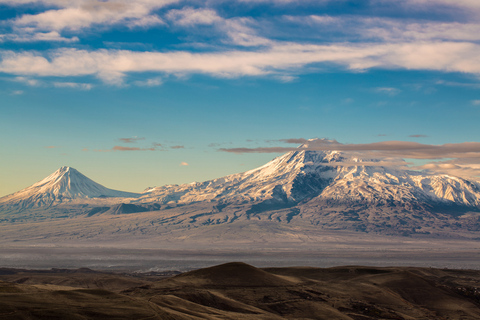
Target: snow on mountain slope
[(63, 185), (379, 184), (324, 175)]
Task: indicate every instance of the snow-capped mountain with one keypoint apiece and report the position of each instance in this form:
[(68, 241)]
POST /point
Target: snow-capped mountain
[(299, 176), (62, 186), (301, 189), (327, 189)]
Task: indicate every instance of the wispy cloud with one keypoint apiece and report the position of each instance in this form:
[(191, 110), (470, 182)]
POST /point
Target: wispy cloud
[(131, 140), (183, 163), (24, 35), (153, 82), (464, 4), (214, 145), (387, 90), (77, 15), (73, 85), (418, 136), (238, 30), (121, 148), (51, 147), (291, 140), (403, 149), (461, 159), (189, 16), (154, 146), (28, 81), (390, 30), (454, 167)]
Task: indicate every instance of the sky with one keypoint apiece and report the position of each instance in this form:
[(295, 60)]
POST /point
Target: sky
[(143, 93)]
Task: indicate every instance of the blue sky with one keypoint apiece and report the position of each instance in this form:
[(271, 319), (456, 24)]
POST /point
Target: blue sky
[(145, 93)]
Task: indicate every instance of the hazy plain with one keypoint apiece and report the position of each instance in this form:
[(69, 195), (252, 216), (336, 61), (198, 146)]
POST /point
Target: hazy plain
[(145, 260)]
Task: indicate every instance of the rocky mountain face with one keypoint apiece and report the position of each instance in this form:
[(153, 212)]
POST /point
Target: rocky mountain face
[(323, 189)]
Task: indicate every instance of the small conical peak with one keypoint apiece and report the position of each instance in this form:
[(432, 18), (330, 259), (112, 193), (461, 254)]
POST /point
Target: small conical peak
[(65, 184), (63, 173), (66, 169)]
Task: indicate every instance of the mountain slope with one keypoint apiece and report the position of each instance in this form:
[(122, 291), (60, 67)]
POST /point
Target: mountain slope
[(62, 186)]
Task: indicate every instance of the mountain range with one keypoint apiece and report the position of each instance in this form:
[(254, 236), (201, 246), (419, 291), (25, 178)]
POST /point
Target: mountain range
[(324, 190)]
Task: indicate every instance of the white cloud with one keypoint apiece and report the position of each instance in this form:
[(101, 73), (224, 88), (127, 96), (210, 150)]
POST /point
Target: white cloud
[(389, 29), (476, 102), (387, 90), (241, 34), (388, 43), (236, 29), (465, 4), (190, 16), (73, 85), (80, 14), (24, 36), (153, 82), (454, 168), (282, 58), (283, 1), (145, 22), (28, 81)]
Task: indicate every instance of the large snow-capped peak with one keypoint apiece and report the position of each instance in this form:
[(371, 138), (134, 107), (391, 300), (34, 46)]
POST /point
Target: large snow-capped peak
[(291, 177), (63, 185), (309, 173)]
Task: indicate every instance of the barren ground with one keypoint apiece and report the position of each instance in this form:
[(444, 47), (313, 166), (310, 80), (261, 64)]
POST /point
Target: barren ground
[(240, 291)]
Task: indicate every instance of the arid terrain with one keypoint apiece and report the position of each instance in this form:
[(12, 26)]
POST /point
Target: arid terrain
[(240, 291)]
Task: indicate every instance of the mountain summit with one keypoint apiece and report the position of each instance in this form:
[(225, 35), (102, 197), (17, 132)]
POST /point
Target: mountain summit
[(63, 185)]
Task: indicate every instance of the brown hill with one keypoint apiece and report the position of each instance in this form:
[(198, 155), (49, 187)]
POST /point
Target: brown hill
[(240, 291), (233, 274)]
